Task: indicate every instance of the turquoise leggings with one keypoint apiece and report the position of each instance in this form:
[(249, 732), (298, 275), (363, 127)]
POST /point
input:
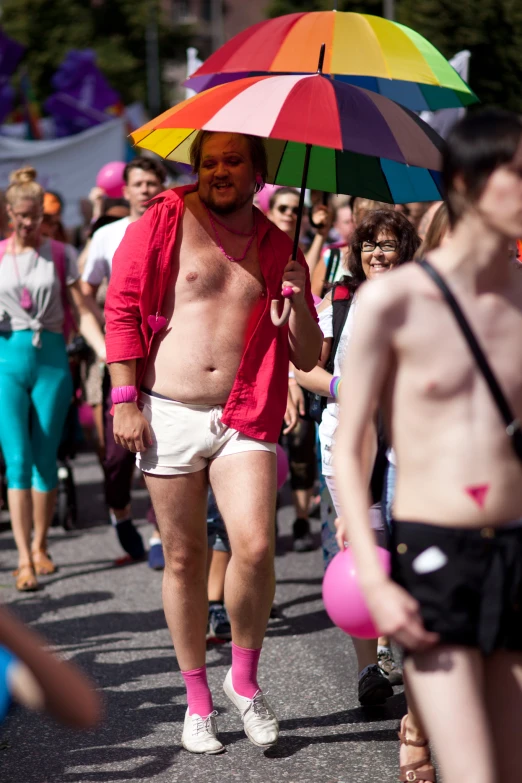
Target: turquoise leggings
[(35, 394)]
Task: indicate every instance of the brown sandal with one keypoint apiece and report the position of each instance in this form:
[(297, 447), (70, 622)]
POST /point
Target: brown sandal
[(43, 565), (25, 578), (410, 773)]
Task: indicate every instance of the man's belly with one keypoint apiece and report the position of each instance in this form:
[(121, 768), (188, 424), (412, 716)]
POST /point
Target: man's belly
[(196, 363), (473, 492)]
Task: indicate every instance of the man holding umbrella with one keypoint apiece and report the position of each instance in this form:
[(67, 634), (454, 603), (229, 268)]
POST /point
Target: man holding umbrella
[(200, 384)]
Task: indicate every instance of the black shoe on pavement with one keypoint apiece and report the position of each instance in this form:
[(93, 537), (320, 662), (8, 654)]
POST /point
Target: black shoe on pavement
[(218, 628), (303, 541), (130, 540), (374, 687)]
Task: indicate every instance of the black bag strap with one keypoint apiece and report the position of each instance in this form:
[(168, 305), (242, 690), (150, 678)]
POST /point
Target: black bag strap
[(505, 410), (333, 264), (334, 257), (340, 309)]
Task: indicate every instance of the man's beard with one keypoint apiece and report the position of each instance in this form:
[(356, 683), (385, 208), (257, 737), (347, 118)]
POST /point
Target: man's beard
[(225, 209)]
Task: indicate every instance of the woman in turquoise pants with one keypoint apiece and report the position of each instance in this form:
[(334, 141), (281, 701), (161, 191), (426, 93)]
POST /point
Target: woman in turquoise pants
[(38, 278)]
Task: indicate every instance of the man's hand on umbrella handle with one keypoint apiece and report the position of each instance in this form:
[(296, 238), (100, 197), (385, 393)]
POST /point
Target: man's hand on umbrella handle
[(294, 281), (294, 278)]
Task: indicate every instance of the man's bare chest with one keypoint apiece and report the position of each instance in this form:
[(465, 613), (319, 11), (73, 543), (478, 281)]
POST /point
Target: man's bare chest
[(437, 363), (205, 271)]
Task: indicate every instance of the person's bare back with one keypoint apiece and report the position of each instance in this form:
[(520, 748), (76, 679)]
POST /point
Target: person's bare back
[(456, 462), (209, 305)]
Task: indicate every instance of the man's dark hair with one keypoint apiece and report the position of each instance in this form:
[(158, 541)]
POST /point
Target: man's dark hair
[(281, 192), (370, 227), (476, 146), (146, 164), (257, 154)]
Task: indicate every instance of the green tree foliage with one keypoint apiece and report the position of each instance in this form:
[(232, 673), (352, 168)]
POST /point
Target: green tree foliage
[(280, 7), (115, 29), (490, 29)]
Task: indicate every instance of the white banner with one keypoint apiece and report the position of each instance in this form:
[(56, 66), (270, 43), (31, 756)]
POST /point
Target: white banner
[(443, 120), (68, 166), (193, 63)]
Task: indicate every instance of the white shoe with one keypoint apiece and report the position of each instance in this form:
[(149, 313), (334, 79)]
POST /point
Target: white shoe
[(199, 734), (259, 720)]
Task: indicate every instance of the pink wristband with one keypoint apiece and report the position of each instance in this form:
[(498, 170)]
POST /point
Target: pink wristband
[(124, 394)]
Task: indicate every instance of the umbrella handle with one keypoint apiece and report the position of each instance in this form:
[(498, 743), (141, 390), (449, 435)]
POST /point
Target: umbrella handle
[(280, 320)]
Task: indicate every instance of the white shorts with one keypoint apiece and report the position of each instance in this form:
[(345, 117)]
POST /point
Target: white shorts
[(186, 437)]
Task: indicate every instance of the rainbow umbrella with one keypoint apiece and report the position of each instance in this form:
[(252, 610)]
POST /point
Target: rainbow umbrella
[(360, 142), (318, 133), (364, 50)]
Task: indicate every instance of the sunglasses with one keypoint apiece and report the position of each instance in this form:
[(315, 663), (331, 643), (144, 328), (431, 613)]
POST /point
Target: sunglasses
[(284, 208)]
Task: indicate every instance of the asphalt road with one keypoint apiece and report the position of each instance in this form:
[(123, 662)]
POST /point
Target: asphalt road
[(110, 621)]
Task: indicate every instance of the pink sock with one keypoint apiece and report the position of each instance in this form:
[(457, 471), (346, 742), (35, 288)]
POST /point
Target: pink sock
[(244, 671), (199, 698)]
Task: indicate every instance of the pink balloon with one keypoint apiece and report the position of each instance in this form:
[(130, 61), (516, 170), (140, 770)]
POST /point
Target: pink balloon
[(282, 466), (263, 197), (343, 599), (110, 179), (317, 300)]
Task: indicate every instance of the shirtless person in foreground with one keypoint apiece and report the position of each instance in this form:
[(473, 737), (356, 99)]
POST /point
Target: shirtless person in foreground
[(455, 602), (188, 326)]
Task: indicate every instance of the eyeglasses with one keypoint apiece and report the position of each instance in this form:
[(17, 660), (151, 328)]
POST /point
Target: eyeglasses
[(284, 208), (387, 246)]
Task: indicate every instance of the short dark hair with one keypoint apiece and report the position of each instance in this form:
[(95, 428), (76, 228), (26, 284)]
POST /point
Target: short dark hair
[(281, 192), (256, 147), (367, 231), (146, 164), (476, 146)]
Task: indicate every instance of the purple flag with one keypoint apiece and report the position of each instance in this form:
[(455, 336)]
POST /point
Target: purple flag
[(7, 96), (82, 94), (10, 55)]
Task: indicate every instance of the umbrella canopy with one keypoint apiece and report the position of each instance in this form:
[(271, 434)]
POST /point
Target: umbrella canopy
[(364, 50), (362, 143)]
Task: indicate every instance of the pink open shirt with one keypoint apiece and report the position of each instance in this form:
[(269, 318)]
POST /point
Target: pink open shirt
[(141, 270)]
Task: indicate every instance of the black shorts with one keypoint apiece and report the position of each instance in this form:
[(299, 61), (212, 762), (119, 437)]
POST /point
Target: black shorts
[(468, 582)]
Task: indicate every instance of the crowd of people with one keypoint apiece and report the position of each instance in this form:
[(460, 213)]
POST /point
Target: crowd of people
[(392, 433)]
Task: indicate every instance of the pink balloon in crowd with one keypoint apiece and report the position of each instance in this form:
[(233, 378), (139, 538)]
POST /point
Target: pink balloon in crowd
[(263, 197), (343, 599), (86, 416), (282, 466), (317, 300), (110, 179)]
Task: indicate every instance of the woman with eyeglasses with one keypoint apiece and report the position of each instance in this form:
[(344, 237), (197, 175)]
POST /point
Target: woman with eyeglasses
[(383, 240)]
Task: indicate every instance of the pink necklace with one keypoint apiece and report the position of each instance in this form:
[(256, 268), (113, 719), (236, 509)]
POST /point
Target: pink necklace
[(238, 233), (26, 300)]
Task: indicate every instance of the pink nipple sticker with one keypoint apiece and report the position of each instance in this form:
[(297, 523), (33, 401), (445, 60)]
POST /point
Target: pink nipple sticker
[(156, 322), (478, 494)]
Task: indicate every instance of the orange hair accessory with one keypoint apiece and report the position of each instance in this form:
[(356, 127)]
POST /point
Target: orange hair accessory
[(51, 205)]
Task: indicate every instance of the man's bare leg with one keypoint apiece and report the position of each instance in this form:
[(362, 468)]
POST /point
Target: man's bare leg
[(503, 687), (447, 684), (245, 488), (180, 503)]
